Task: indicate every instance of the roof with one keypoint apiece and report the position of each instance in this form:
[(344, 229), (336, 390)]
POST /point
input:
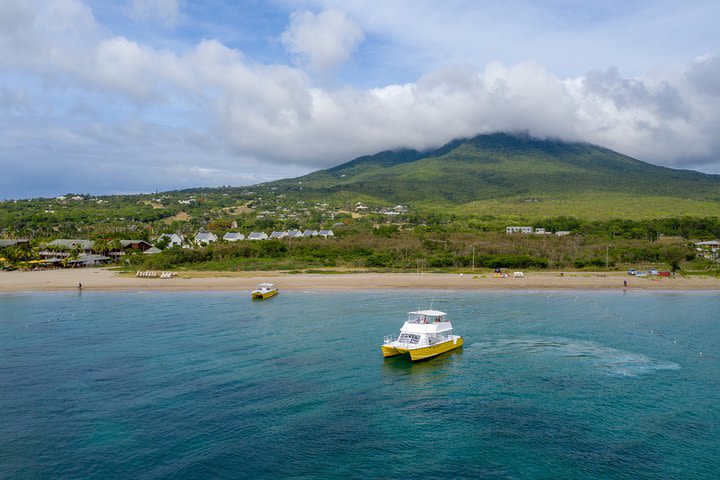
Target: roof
[(256, 234), (294, 233), (152, 250), (429, 313), (125, 243), (63, 242), (233, 235), (9, 242), (266, 285), (204, 236)]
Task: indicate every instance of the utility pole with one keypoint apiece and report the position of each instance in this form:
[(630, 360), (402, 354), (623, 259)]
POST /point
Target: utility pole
[(607, 256)]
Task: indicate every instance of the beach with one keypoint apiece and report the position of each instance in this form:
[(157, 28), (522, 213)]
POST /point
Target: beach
[(102, 279)]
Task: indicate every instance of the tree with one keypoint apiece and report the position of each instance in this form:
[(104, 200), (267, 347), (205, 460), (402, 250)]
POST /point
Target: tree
[(673, 255)]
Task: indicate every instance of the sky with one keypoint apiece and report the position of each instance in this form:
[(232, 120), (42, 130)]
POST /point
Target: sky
[(136, 96)]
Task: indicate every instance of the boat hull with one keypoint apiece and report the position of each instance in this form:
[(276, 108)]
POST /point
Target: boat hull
[(433, 350), (423, 353), (389, 351), (263, 296)]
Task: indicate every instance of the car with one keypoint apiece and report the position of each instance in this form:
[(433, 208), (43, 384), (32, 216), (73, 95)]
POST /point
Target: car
[(632, 271), (641, 274), (653, 271)]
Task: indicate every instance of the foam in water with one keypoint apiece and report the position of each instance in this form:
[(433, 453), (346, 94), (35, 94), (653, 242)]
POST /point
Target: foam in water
[(610, 360)]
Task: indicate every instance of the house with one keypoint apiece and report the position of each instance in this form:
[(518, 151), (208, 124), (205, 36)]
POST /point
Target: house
[(278, 235), (62, 248), (295, 234), (175, 239), (562, 233), (515, 229), (310, 233), (257, 236), (205, 237), (141, 245), (541, 231), (233, 236), (709, 249), (326, 233), (152, 251)]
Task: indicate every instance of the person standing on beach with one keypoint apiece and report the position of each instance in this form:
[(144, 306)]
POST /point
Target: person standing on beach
[(79, 286)]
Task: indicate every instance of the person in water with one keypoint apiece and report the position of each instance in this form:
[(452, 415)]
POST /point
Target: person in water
[(79, 286)]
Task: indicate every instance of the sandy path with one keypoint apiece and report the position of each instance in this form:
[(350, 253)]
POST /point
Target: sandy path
[(103, 279)]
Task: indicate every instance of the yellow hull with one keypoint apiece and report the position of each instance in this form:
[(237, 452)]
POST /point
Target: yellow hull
[(262, 296), (389, 351), (424, 352)]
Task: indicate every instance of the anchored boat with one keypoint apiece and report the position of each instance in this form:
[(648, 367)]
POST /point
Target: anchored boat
[(426, 333), (264, 290)]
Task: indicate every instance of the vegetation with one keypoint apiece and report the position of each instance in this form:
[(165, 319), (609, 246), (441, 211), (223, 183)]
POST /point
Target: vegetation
[(456, 202)]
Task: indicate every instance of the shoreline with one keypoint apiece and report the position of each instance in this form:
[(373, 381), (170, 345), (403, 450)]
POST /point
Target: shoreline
[(102, 279)]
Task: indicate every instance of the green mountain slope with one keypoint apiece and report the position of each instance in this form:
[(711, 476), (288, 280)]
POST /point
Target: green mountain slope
[(517, 174)]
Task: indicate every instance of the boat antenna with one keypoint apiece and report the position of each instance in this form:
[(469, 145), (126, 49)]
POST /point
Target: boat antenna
[(432, 300)]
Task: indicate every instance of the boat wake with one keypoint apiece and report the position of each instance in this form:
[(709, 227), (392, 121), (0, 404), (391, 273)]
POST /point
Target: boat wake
[(607, 359)]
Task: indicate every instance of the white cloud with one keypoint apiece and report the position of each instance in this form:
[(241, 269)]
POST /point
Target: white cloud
[(110, 107), (167, 11), (324, 40)]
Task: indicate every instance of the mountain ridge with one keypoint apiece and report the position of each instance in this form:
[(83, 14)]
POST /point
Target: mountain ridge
[(502, 166)]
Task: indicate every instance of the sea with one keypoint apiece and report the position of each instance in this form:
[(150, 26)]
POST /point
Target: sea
[(205, 385)]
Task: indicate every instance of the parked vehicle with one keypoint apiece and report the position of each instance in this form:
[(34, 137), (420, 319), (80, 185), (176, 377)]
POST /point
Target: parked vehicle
[(632, 271)]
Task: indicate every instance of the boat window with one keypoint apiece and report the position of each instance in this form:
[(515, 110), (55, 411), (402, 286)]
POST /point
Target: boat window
[(409, 338)]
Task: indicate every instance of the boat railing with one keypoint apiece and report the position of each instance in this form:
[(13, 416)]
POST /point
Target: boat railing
[(389, 338)]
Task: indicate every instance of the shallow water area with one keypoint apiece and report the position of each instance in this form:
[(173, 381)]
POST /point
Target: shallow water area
[(214, 385)]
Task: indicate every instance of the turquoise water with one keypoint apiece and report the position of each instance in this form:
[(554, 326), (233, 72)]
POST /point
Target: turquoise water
[(211, 385)]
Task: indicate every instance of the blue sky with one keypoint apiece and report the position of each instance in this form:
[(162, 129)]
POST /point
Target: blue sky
[(144, 95)]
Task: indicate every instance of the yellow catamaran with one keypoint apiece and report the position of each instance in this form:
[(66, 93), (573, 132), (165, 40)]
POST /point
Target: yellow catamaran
[(426, 333)]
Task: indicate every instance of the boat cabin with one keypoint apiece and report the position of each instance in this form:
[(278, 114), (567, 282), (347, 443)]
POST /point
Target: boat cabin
[(424, 328)]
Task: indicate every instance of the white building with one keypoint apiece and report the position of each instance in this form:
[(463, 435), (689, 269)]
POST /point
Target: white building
[(278, 235), (175, 239), (257, 236), (326, 233), (205, 237), (295, 234), (562, 233), (233, 237), (516, 229)]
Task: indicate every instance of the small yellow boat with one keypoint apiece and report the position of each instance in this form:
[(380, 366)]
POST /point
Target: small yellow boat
[(425, 334), (264, 290)]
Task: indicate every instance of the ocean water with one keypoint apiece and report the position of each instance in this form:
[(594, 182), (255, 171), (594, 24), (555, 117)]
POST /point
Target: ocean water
[(212, 385)]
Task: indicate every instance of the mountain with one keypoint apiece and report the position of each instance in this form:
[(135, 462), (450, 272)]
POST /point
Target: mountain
[(516, 173)]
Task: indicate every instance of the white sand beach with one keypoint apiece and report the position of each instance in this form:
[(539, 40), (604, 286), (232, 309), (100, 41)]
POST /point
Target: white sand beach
[(107, 280)]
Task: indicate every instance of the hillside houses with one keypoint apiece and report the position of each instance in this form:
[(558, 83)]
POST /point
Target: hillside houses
[(536, 231)]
